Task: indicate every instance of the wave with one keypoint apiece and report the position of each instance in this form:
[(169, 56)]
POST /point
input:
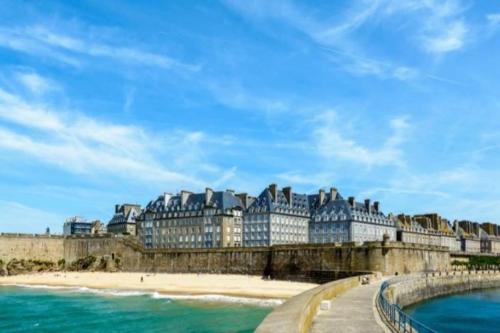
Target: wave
[(156, 295), (220, 299)]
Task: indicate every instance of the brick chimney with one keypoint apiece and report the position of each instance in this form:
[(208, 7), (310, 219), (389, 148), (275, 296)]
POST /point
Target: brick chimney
[(376, 206), (287, 191), (117, 209), (351, 201), (273, 188), (333, 193)]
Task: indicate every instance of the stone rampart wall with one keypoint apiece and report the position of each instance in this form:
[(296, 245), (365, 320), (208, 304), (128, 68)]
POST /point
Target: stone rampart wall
[(31, 247), (293, 262), (304, 261)]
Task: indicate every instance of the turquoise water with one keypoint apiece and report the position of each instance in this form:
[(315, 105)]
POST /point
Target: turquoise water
[(477, 311), (42, 310)]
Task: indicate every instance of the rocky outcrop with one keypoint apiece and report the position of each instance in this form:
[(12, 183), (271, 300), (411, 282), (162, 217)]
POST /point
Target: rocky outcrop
[(15, 266), (105, 263)]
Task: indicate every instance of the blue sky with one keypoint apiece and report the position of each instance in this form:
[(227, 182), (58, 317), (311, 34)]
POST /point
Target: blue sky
[(105, 102)]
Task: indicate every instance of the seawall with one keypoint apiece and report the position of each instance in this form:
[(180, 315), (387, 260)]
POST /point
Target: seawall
[(318, 262), (409, 290), (297, 314)]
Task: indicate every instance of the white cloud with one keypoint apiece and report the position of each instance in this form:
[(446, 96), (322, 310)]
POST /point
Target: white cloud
[(493, 19), (453, 38), (129, 100), (236, 97), (35, 83), (39, 40), (83, 145), (335, 39), (331, 144), (440, 25)]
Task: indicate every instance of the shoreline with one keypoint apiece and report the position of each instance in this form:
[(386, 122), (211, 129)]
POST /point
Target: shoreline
[(203, 287)]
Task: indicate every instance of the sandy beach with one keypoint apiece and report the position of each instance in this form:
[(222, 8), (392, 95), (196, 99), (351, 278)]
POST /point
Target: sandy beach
[(169, 284)]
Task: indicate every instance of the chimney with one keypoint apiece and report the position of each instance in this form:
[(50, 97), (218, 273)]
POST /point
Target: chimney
[(367, 206), (351, 201), (184, 197), (244, 199), (209, 193), (333, 193), (273, 188), (166, 198), (321, 197), (376, 206), (287, 191), (117, 209), (230, 191)]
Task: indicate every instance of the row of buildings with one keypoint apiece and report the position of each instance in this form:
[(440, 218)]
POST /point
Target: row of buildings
[(276, 216), (281, 216)]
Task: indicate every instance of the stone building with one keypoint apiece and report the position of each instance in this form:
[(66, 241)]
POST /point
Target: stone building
[(123, 221), (276, 217), (334, 219), (192, 220), (493, 232), (429, 229), (469, 234), (77, 225)]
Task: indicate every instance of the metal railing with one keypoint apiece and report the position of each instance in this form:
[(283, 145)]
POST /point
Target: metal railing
[(397, 318)]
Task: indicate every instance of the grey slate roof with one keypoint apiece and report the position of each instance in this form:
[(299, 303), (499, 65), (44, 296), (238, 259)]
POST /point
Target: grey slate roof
[(342, 208), (221, 200), (265, 203), (121, 217)]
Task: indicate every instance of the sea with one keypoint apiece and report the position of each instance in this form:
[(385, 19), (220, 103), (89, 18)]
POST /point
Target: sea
[(471, 312), (53, 309)]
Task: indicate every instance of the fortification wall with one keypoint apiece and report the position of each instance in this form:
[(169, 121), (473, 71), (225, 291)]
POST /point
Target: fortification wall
[(31, 247), (409, 290), (297, 262), (304, 261)]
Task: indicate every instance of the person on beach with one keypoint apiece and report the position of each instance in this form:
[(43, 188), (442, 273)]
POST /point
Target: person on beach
[(142, 279)]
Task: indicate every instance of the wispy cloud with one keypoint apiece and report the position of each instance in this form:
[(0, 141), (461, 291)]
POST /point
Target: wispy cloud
[(79, 144), (129, 99), (453, 38), (335, 39), (40, 40), (233, 95), (441, 26), (331, 144), (18, 217), (493, 19), (36, 83)]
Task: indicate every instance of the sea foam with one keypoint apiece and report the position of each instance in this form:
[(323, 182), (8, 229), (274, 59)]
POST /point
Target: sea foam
[(156, 295)]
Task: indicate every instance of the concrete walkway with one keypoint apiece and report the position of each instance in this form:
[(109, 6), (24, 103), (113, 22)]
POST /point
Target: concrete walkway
[(350, 312)]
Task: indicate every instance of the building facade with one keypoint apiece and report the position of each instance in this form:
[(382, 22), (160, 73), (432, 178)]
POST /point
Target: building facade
[(124, 219), (427, 229), (469, 233), (192, 220), (276, 217), (493, 232), (334, 219), (77, 225)]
